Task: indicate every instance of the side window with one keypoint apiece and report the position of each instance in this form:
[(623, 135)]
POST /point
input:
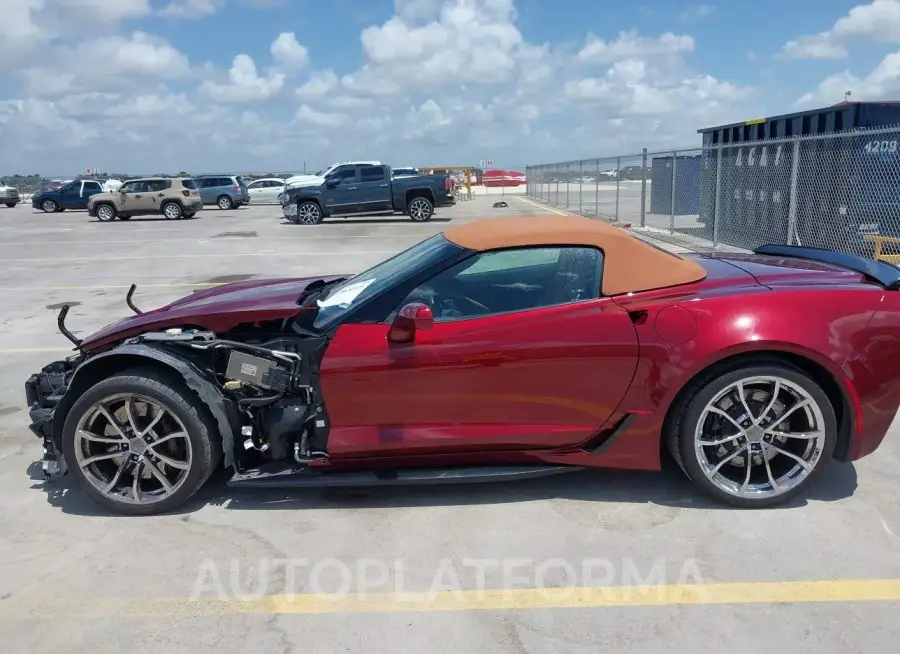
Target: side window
[(346, 175), (92, 186), (371, 173), (223, 181), (189, 184), (517, 279), (159, 184)]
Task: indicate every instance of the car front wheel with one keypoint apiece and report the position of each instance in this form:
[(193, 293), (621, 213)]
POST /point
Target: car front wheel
[(754, 436), (106, 213), (138, 443), (49, 206)]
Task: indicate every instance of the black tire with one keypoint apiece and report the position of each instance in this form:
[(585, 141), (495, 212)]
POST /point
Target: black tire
[(686, 415), (10, 204), (49, 206), (124, 217), (224, 203), (421, 209), (313, 215), (172, 211), (110, 214), (188, 216), (173, 394)]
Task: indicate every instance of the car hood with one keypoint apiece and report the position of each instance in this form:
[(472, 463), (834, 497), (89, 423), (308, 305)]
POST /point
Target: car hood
[(105, 195), (218, 309), (303, 180)]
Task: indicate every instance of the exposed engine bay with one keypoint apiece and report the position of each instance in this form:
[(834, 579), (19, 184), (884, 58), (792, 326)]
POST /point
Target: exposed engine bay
[(272, 383)]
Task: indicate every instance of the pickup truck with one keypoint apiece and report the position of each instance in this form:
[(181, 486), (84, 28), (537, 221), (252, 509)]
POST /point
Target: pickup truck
[(9, 195), (74, 195), (357, 189)]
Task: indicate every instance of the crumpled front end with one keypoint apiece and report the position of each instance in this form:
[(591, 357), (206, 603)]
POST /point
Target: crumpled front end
[(43, 392)]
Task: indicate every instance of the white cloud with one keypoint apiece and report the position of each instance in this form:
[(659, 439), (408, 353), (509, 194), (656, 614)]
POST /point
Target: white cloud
[(447, 80), (192, 9), (306, 115), (630, 44), (876, 21), (245, 83), (318, 86), (288, 52), (880, 84)]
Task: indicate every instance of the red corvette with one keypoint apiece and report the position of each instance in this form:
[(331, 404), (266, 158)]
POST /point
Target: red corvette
[(500, 349)]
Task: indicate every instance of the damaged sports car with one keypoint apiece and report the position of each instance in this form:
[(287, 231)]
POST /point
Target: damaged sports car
[(497, 350)]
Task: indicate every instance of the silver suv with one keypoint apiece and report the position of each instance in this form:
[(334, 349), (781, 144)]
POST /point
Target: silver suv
[(224, 191)]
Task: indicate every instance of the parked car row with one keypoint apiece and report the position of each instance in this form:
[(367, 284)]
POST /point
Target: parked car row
[(146, 196), (342, 189)]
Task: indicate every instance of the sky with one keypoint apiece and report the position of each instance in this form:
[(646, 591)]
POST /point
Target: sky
[(146, 86)]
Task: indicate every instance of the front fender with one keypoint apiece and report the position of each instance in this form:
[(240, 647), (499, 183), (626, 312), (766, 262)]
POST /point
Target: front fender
[(123, 357)]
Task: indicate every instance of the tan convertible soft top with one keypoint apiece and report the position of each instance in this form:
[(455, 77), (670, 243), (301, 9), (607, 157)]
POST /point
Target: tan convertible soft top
[(630, 264)]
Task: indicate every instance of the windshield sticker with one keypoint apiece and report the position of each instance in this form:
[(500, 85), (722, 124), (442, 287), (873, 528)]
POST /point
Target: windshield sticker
[(344, 297)]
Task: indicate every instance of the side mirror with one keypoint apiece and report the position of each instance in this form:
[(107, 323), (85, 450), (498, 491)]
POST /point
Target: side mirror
[(411, 318)]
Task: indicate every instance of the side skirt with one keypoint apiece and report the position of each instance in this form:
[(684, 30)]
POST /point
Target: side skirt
[(296, 477)]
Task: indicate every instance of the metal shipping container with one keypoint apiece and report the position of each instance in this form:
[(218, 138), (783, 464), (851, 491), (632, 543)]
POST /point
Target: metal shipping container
[(845, 187), (688, 178)]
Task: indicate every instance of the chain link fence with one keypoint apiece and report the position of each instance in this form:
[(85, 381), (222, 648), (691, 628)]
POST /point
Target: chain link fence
[(839, 191)]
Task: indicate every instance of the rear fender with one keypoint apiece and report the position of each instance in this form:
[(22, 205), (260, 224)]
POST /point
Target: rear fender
[(123, 357)]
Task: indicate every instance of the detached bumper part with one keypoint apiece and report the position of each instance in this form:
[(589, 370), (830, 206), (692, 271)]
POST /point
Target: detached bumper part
[(43, 391)]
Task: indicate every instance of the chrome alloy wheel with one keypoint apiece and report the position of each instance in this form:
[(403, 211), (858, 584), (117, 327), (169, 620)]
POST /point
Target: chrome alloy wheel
[(105, 213), (420, 210), (760, 437), (133, 449), (308, 213)]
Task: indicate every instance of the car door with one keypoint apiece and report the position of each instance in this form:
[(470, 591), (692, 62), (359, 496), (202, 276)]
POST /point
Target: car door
[(88, 189), (341, 191), (136, 199), (207, 186), (536, 359), (374, 189), (69, 196), (156, 194), (258, 191)]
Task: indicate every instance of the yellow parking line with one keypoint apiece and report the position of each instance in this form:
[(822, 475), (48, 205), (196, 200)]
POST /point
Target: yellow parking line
[(102, 287), (35, 350), (198, 255), (790, 592), (206, 238), (543, 206)]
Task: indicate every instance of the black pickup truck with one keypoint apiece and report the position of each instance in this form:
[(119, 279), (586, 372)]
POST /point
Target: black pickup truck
[(355, 189)]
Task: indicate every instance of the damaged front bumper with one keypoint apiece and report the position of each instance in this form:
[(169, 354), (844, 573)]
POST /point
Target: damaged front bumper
[(43, 392)]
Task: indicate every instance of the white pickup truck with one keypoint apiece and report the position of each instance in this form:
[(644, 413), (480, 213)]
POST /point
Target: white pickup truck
[(9, 195)]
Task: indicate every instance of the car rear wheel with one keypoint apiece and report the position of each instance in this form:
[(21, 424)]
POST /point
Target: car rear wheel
[(421, 210), (106, 212), (172, 211), (49, 206), (225, 203), (10, 204), (138, 443), (754, 436)]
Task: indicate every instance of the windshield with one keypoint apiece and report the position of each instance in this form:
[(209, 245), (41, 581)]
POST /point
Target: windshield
[(339, 300)]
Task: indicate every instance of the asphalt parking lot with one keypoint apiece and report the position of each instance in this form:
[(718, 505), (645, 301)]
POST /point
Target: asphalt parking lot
[(821, 575)]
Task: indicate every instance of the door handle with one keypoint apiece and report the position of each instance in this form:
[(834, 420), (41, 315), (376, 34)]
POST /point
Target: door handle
[(382, 186), (352, 188)]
